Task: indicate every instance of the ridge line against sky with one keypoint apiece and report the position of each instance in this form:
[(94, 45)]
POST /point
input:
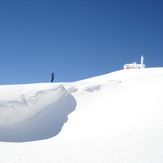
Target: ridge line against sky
[(77, 39)]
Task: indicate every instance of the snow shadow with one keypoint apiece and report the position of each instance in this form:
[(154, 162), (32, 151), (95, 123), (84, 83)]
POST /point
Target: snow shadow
[(47, 122), (93, 88)]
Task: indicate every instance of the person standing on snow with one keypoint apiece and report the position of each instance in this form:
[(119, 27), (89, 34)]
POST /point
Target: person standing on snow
[(52, 77)]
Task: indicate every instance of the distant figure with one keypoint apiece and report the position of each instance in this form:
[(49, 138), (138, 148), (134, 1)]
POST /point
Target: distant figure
[(52, 75)]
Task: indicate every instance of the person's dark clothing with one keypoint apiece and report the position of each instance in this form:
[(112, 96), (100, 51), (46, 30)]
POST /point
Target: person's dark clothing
[(52, 77)]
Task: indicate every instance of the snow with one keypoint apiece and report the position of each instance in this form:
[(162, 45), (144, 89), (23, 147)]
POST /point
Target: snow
[(116, 117)]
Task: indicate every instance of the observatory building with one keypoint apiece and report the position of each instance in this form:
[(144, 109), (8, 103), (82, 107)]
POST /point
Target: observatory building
[(134, 65)]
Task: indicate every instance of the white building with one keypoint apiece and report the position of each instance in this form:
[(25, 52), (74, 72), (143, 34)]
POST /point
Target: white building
[(134, 65)]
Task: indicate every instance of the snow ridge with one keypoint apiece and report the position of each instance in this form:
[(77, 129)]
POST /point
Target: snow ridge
[(117, 117), (34, 115)]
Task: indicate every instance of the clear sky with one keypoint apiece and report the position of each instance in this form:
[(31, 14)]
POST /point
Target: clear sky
[(77, 39)]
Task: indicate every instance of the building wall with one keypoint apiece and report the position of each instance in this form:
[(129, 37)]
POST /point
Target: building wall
[(134, 66)]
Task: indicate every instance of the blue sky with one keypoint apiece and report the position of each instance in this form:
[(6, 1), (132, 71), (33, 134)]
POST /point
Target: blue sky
[(76, 39)]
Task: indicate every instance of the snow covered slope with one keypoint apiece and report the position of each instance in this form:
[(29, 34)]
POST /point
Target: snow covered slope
[(33, 112), (113, 103), (117, 118)]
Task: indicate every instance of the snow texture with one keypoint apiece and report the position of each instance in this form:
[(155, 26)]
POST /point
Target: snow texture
[(31, 113), (116, 118)]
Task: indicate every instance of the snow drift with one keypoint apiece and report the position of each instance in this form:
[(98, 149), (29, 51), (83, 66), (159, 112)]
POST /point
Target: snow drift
[(33, 112), (114, 103), (117, 117)]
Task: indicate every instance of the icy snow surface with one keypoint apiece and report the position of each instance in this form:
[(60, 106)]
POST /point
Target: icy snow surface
[(115, 118)]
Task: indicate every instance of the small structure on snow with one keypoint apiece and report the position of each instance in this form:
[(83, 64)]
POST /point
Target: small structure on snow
[(134, 65)]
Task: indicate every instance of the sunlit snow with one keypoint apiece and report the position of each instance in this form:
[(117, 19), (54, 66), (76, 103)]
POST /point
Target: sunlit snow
[(116, 118)]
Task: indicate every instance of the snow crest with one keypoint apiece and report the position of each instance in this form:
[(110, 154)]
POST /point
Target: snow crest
[(32, 113), (117, 117)]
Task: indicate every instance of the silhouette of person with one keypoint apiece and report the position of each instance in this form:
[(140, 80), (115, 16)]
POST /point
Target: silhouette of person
[(52, 76)]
